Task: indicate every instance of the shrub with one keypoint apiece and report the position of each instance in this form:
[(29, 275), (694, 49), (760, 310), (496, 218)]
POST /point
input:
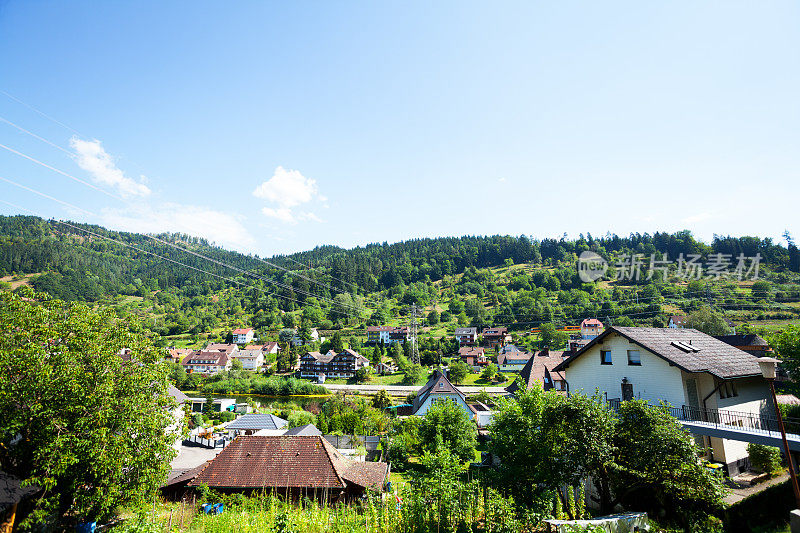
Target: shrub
[(764, 458)]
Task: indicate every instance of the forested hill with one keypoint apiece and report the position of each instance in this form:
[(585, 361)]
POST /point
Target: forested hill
[(368, 284)]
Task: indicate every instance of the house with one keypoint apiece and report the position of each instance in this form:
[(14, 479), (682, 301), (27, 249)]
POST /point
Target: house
[(439, 387), (496, 336), (294, 466), (473, 355), (466, 336), (308, 430), (177, 355), (297, 340), (332, 365), (219, 405), (684, 367), (676, 321), (512, 361), (752, 343), (178, 416), (243, 336), (251, 359), (541, 369), (387, 334), (207, 362), (268, 348), (251, 423), (591, 328), (385, 368), (227, 348)]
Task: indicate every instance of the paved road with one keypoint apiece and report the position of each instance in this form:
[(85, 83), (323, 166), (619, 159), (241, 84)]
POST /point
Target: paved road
[(402, 390), (190, 457)]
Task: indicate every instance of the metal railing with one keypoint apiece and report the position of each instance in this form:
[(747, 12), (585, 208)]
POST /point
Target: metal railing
[(757, 422)]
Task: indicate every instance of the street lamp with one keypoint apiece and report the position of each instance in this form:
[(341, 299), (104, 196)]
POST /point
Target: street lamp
[(768, 367)]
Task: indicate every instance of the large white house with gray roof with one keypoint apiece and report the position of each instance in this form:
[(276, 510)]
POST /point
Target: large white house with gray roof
[(684, 367)]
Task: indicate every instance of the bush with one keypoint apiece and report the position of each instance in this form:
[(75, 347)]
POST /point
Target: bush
[(764, 458), (227, 416)]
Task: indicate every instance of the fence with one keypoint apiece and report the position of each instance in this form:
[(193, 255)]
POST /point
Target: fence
[(350, 442), (757, 422), (207, 443)]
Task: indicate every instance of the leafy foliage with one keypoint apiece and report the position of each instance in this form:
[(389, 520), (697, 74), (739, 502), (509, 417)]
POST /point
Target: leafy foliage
[(89, 428)]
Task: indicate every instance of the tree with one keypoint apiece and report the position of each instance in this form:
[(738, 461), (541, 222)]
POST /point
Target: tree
[(458, 371), (337, 345), (707, 321), (381, 400), (236, 364), (413, 374), (786, 344), (75, 418), (489, 372), (433, 317), (362, 374), (446, 425), (551, 337)]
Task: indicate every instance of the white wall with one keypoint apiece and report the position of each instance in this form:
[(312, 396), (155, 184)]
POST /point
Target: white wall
[(654, 380), (423, 409)]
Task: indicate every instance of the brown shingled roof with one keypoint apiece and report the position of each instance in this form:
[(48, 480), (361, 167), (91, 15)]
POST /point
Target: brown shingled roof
[(286, 461), (707, 354), (537, 368)]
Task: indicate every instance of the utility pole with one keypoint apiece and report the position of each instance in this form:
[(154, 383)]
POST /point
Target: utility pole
[(414, 347)]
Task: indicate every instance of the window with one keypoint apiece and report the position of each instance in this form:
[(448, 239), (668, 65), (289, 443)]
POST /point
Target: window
[(605, 357), (634, 359), (727, 390)]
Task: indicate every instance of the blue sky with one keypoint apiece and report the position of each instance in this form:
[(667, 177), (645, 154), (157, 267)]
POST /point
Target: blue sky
[(276, 127)]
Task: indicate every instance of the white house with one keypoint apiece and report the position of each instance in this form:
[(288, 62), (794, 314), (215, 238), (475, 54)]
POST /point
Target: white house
[(298, 341), (684, 367), (243, 336), (251, 359)]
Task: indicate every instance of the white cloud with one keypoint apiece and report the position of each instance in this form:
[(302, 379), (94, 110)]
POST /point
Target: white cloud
[(501, 180), (287, 189), (699, 217), (92, 158), (217, 226)]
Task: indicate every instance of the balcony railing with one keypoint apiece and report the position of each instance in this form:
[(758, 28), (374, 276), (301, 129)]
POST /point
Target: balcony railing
[(756, 422)]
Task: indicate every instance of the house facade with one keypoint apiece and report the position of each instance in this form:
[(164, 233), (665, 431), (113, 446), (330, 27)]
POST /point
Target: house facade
[(683, 367), (243, 335), (439, 388), (207, 362), (466, 336), (541, 369), (591, 328), (473, 355), (345, 364), (252, 359), (387, 334), (495, 336), (676, 321), (512, 360)]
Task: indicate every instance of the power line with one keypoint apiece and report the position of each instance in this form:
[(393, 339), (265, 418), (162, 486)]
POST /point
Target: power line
[(34, 191), (70, 176)]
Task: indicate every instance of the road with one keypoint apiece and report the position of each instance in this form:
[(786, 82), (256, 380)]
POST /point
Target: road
[(402, 390)]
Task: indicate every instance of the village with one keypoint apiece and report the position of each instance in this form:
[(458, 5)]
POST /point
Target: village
[(716, 387)]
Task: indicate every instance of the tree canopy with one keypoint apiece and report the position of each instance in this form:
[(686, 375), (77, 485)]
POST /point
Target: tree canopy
[(89, 428)]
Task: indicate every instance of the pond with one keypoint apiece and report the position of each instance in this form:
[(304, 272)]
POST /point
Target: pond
[(262, 400)]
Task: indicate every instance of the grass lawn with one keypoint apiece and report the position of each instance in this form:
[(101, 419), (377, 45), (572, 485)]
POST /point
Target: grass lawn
[(475, 380)]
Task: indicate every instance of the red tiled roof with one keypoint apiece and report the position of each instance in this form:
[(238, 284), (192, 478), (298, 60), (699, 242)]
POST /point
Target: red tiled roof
[(591, 322), (242, 331)]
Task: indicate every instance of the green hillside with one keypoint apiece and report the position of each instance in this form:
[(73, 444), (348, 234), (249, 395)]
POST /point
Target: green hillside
[(186, 289)]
